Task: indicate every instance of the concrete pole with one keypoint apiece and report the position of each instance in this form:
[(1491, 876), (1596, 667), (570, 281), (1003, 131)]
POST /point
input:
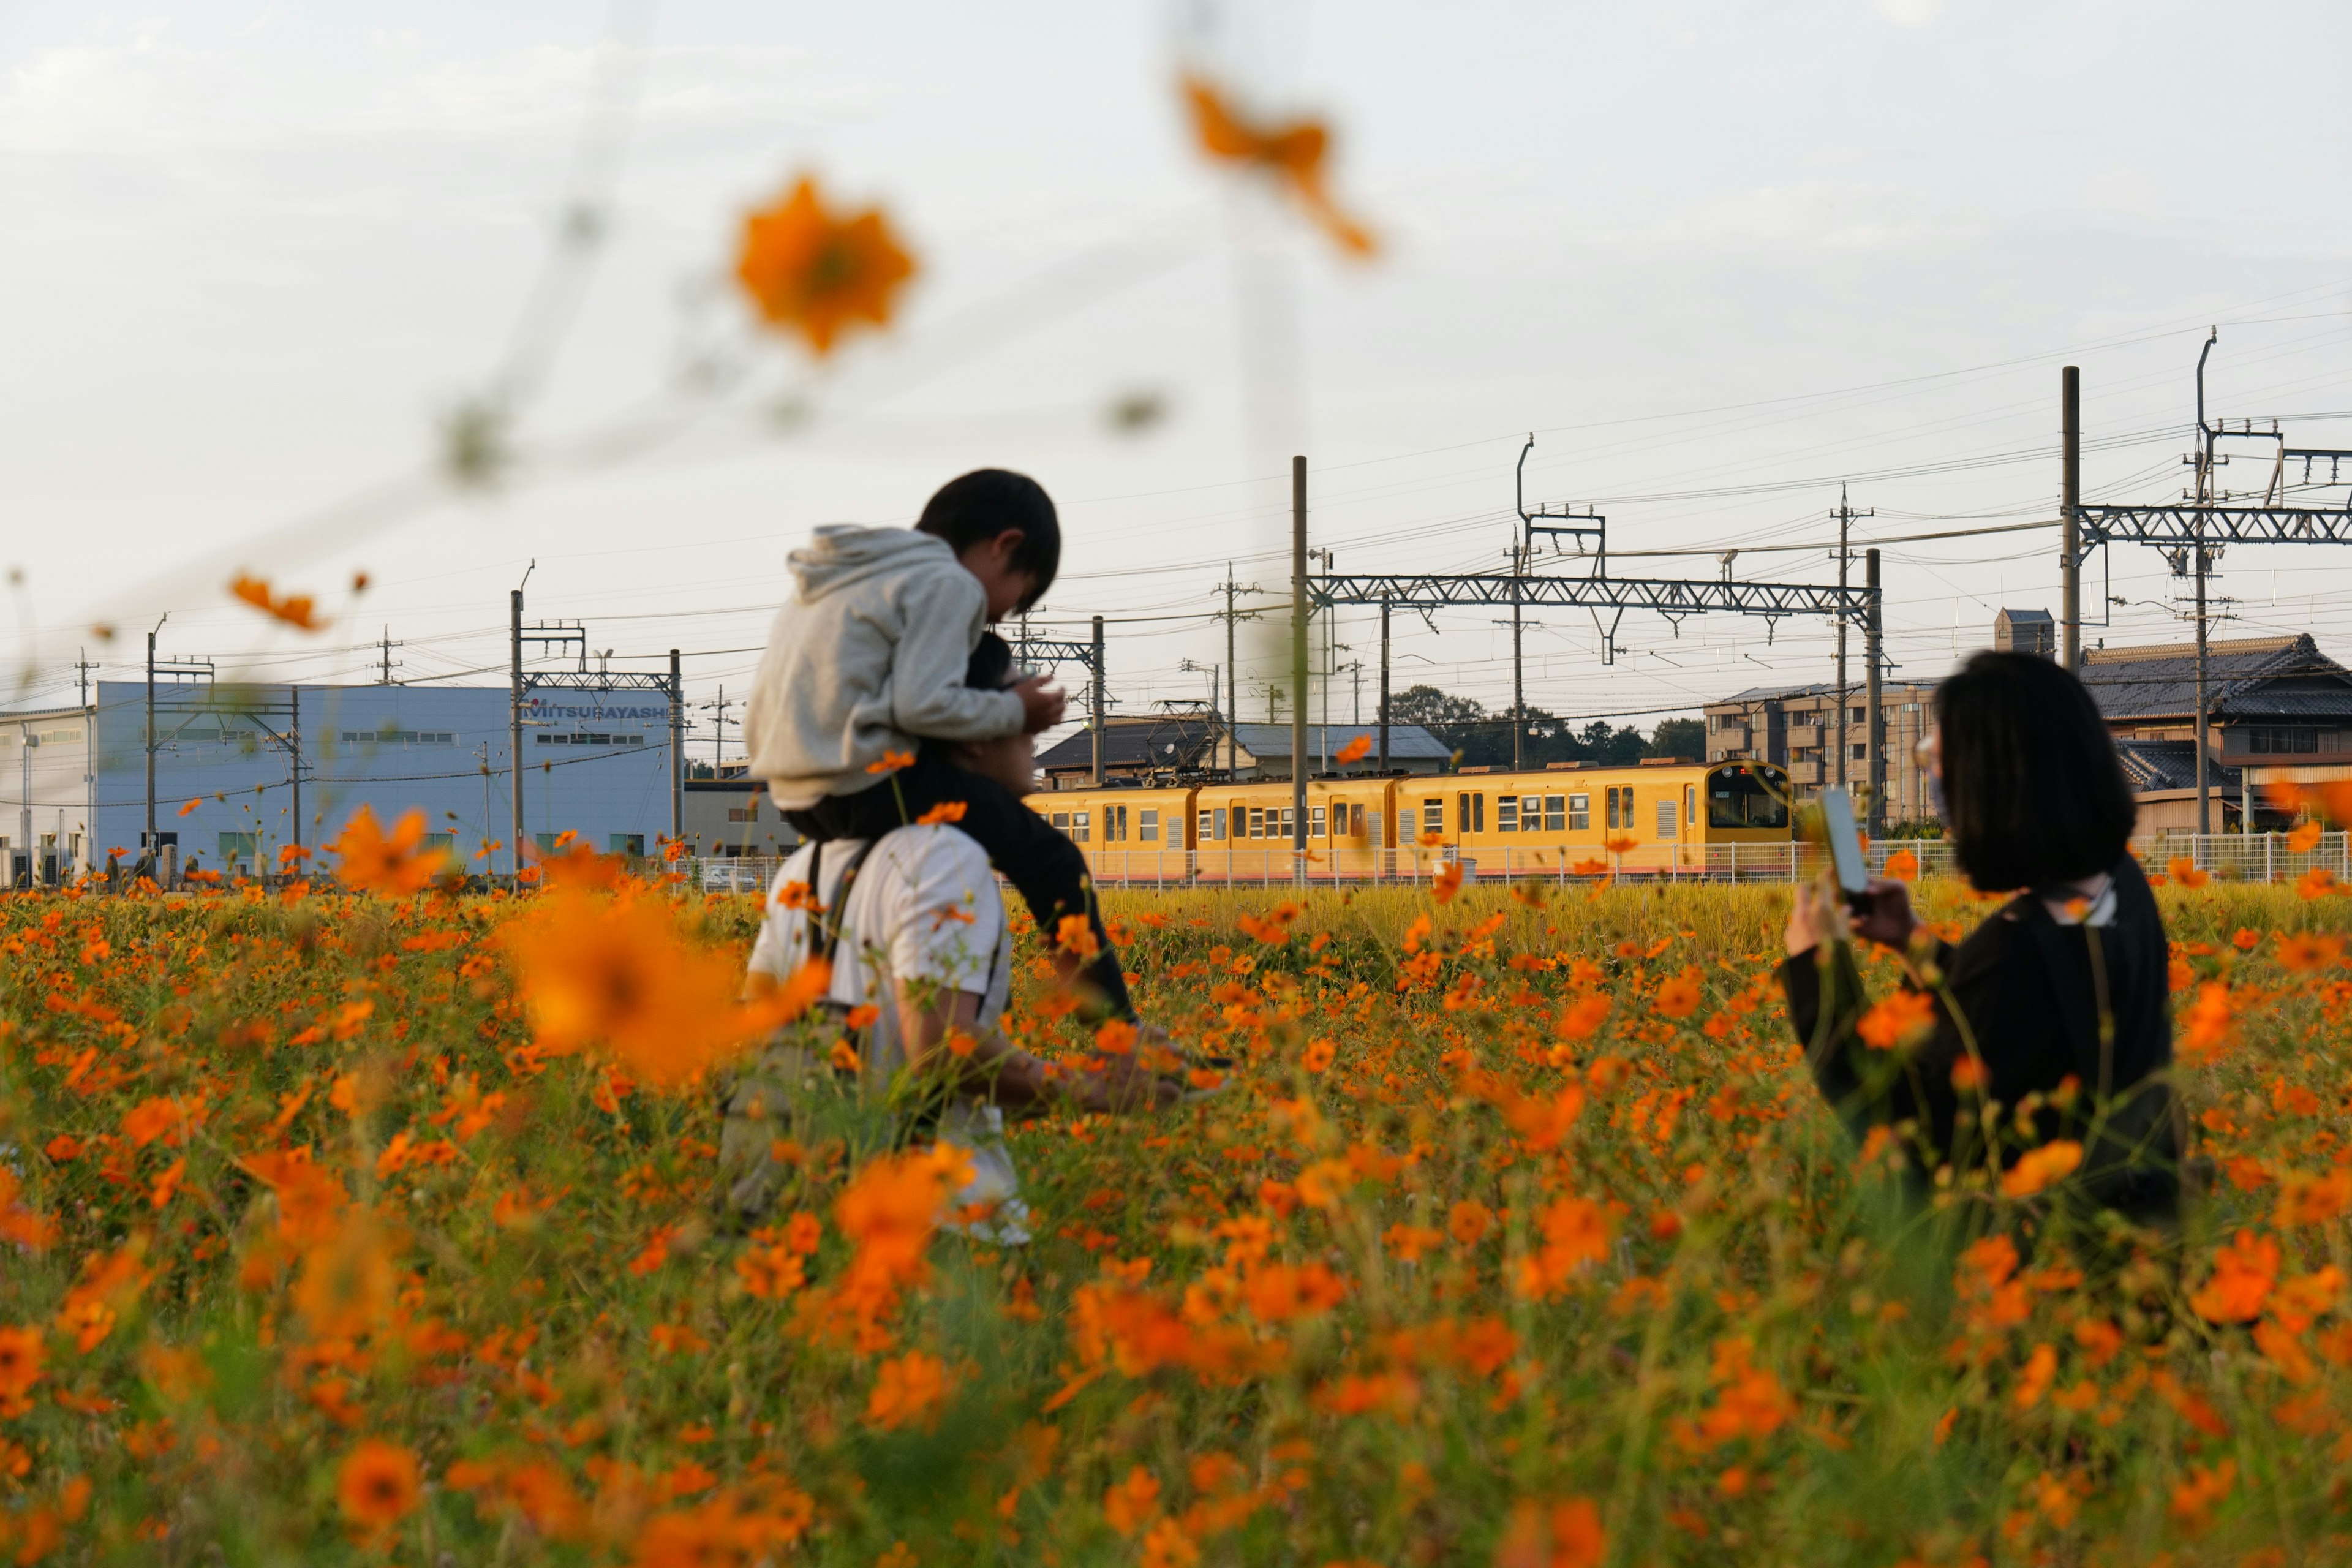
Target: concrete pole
[(147, 841), (1298, 660), (514, 716), (1099, 702), (677, 750), (1873, 650), (2070, 496), (1232, 688), (1845, 519), (2204, 785), (294, 756), (1384, 687)]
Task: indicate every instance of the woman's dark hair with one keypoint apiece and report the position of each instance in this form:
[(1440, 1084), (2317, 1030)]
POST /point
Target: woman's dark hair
[(990, 669), (2032, 789), (976, 507)]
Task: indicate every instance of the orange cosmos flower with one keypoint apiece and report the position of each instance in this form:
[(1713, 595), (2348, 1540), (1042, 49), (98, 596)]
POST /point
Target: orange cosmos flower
[(1074, 934), (2313, 1200), (2317, 882), (1583, 1017), (1317, 1055), (1127, 1505), (295, 609), (1897, 1020), (2304, 838), (1564, 1535), (2038, 1168), (1903, 865), (1678, 997), (2306, 951), (1355, 750), (378, 1485), (908, 1391), (2196, 1496), (945, 811), (2243, 1273), (21, 1350), (396, 866), (619, 973), (1447, 882), (2185, 872), (191, 806), (1291, 153), (1467, 1223), (2208, 1023), (820, 273)]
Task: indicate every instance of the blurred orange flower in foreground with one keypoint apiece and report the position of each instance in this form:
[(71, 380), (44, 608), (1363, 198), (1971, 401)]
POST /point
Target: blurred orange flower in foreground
[(1294, 153), (372, 863), (619, 973), (378, 1484), (820, 273), (1355, 750), (295, 609)]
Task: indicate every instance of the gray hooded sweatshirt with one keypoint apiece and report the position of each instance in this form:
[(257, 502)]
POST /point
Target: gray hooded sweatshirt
[(868, 656)]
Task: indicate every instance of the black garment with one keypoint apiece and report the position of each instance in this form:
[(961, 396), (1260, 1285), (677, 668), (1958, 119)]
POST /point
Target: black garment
[(1048, 870), (2033, 994)]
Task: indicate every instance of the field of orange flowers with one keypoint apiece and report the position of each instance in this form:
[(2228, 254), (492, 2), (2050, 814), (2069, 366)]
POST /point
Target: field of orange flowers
[(352, 1227)]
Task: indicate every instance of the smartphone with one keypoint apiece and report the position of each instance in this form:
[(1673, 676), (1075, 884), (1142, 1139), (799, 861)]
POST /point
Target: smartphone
[(1846, 845)]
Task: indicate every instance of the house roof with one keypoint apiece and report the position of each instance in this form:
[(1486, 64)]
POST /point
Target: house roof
[(2156, 765), (2246, 679), (1156, 740), (2026, 617), (1409, 742), (1856, 690)]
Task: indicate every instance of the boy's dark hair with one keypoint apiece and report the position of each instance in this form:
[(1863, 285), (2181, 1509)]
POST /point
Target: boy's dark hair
[(974, 508), (2033, 791), (990, 669)]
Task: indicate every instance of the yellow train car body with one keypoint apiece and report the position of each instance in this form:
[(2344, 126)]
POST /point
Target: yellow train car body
[(1678, 819)]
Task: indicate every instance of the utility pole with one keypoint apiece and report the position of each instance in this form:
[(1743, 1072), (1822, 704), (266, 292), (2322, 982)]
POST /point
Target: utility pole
[(1098, 715), (385, 677), (2204, 785), (1518, 664), (1229, 616), (1298, 664), (514, 716), (719, 730), (1845, 516), (147, 842), (676, 752), (2070, 494), (1384, 687), (83, 665), (294, 755), (1874, 649)]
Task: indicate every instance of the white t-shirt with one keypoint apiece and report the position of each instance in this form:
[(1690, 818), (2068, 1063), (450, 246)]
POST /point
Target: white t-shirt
[(925, 911)]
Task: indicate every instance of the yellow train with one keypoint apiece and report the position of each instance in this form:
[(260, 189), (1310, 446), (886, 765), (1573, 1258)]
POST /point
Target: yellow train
[(1656, 819)]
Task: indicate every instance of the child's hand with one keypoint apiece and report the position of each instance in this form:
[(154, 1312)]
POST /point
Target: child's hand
[(1041, 702)]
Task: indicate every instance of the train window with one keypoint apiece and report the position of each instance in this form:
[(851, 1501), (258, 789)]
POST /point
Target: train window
[(1690, 806), (1461, 814), (1289, 824), (1507, 815), (1062, 820), (1530, 813), (1079, 825), (1555, 817), (1611, 803), (1738, 798), (1665, 819), (1256, 823), (1148, 828), (1113, 825), (1579, 814), (1317, 823), (1432, 815), (1220, 814), (1208, 826), (1478, 812)]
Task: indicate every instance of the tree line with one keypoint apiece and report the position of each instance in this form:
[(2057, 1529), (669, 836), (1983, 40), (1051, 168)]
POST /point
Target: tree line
[(1485, 738)]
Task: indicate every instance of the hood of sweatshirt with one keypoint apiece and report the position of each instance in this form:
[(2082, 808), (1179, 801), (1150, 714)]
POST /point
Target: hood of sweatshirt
[(842, 554)]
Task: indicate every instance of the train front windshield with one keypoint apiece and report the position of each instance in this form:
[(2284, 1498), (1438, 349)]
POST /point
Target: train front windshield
[(1737, 797)]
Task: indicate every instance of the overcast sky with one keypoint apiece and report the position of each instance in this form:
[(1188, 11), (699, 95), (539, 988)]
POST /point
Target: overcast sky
[(1716, 257)]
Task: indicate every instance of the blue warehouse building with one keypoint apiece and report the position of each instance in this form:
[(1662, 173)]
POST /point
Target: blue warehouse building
[(597, 761)]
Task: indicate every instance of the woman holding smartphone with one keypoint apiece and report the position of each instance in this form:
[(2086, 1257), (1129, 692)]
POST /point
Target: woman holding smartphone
[(2061, 998)]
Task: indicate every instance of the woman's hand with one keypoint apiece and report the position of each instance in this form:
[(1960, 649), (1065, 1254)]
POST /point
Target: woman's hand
[(1883, 915)]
